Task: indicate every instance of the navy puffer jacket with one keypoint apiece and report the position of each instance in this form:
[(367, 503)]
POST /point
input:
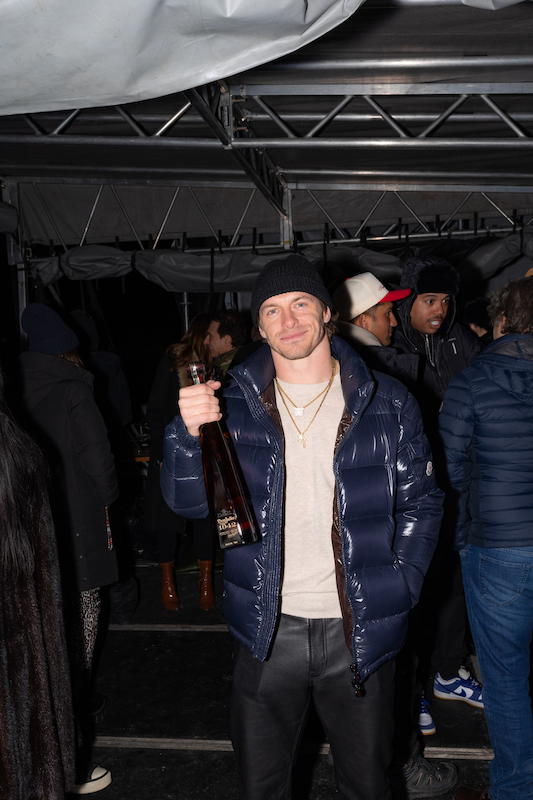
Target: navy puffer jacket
[(487, 428), (386, 516)]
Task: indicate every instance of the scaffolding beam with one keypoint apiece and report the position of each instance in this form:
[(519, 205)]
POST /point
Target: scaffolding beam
[(265, 179)]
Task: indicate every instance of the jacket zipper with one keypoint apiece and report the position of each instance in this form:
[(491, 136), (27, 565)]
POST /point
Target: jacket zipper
[(356, 681), (271, 585)]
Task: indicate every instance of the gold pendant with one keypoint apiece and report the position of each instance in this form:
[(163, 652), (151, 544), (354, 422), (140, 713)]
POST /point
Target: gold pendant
[(302, 438)]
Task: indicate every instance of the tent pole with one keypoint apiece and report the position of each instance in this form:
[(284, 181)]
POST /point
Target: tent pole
[(285, 223), (16, 262), (186, 315)]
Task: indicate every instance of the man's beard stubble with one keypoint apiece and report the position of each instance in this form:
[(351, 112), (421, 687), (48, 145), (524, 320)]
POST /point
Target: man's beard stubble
[(294, 355)]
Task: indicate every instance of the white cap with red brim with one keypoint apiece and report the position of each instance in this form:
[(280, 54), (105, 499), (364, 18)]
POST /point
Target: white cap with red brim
[(356, 295)]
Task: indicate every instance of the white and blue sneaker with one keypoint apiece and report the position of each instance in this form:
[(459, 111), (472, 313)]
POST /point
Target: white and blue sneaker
[(426, 725), (462, 687)]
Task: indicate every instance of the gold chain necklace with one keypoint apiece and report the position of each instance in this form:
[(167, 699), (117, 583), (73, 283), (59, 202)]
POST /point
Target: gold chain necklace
[(302, 434), (299, 410)]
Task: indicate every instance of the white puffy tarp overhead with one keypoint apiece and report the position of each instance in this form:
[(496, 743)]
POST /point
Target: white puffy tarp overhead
[(64, 54)]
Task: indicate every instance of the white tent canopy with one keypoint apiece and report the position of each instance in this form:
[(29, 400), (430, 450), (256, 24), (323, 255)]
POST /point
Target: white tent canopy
[(65, 53)]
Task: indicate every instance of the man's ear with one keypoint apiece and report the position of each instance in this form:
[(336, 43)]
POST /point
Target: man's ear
[(261, 331), (364, 322), (228, 341), (327, 314)]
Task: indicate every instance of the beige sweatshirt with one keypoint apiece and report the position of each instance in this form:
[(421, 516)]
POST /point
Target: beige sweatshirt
[(309, 587)]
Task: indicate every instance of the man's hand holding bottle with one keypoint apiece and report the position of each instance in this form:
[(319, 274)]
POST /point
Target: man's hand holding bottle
[(198, 405)]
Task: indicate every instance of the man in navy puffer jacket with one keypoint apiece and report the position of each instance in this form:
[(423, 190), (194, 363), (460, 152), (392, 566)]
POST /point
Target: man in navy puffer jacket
[(341, 481), (487, 427)]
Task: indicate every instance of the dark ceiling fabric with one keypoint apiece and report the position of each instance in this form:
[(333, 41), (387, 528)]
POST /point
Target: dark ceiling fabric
[(8, 218), (188, 272), (46, 270), (500, 253), (236, 272), (176, 271), (95, 261)]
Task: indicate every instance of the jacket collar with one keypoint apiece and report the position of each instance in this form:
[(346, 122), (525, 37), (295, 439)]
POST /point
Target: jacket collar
[(517, 345), (348, 330), (257, 371), (356, 380)]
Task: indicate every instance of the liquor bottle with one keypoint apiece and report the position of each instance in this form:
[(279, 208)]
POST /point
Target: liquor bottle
[(229, 511)]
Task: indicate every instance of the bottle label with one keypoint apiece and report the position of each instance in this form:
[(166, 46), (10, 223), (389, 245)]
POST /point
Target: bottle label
[(229, 530)]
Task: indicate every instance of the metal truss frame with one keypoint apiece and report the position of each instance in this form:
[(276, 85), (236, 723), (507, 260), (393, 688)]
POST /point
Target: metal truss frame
[(251, 120), (219, 107), (416, 228), (411, 225), (233, 111), (15, 259), (113, 188), (404, 137), (213, 104)]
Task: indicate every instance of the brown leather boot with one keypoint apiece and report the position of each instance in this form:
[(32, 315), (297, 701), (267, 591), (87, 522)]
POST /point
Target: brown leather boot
[(169, 594), (207, 594)]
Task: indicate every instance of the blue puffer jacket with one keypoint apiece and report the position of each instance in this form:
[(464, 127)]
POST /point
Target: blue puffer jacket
[(386, 517), (487, 428)]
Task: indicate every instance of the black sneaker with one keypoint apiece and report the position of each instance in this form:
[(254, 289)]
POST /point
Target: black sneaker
[(96, 779), (420, 778)]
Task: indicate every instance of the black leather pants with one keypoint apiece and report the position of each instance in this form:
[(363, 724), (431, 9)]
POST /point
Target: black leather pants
[(270, 701)]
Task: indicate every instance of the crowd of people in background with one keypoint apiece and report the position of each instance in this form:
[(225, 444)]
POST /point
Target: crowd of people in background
[(473, 383), (162, 408)]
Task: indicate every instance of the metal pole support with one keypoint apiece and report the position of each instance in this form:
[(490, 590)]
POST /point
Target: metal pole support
[(16, 261), (286, 230)]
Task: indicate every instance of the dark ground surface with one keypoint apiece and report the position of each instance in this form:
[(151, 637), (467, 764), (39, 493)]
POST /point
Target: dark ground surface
[(169, 686)]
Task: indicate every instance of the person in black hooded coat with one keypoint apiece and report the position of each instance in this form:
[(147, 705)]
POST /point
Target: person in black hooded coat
[(58, 398), (64, 417), (444, 347), (445, 351)]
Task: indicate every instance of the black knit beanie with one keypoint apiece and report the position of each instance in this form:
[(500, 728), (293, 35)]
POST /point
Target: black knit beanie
[(291, 274), (429, 274), (47, 333)]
